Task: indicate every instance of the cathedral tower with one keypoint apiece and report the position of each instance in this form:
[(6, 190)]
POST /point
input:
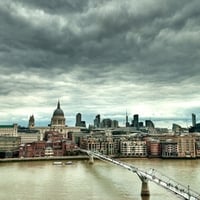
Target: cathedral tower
[(31, 122), (58, 118)]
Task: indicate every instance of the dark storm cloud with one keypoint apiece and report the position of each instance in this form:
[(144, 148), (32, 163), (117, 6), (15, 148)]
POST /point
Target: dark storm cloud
[(103, 34), (101, 53), (57, 6)]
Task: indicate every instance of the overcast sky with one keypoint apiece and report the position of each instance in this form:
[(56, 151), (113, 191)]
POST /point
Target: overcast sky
[(100, 57)]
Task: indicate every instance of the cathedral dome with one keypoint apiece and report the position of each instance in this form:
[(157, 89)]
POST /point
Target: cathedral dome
[(58, 118), (58, 111)]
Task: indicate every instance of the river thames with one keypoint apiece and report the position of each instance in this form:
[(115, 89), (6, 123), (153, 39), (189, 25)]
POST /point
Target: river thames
[(41, 180)]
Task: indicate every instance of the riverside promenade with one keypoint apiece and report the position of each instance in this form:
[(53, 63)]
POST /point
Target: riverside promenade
[(79, 157)]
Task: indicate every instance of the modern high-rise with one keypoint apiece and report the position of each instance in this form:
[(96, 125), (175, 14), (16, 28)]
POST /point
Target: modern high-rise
[(79, 121), (176, 128), (127, 122), (136, 120), (149, 123), (97, 121), (106, 123), (193, 120), (115, 124)]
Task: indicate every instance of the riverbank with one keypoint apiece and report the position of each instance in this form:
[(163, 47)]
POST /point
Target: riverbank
[(80, 157)]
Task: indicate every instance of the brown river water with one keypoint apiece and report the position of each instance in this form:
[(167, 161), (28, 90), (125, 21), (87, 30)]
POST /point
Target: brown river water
[(41, 180)]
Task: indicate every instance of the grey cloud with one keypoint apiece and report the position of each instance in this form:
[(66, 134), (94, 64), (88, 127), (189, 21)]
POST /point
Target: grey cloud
[(57, 6), (100, 54), (111, 48)]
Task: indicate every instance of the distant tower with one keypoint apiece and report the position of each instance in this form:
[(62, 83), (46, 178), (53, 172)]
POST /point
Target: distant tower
[(97, 121), (136, 121), (106, 123), (127, 123), (31, 123), (149, 124), (115, 124), (78, 119), (193, 120)]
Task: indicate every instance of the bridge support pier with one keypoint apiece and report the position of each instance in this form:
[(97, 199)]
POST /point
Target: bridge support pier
[(91, 159), (145, 188)]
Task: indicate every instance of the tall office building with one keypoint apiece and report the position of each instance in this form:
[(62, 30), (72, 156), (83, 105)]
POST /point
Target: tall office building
[(149, 124), (193, 120), (106, 123), (176, 128), (78, 119), (115, 124), (136, 120), (127, 123), (97, 121)]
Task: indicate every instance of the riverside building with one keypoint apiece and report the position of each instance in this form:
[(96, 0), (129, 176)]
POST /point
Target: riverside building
[(133, 148), (9, 141), (53, 145), (8, 130), (135, 140), (104, 144), (29, 142), (186, 146), (9, 146), (169, 149)]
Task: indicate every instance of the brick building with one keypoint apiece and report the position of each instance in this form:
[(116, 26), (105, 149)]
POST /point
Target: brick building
[(133, 148), (53, 145)]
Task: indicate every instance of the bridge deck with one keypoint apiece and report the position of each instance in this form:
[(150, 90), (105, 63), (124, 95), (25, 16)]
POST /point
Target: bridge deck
[(154, 176)]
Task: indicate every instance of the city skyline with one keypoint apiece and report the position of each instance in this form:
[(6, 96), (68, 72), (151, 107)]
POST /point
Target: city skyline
[(90, 120), (100, 57)]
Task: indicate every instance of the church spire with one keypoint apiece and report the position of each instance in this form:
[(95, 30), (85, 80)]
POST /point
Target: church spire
[(58, 106)]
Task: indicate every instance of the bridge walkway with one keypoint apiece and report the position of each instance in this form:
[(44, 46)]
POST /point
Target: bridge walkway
[(152, 175)]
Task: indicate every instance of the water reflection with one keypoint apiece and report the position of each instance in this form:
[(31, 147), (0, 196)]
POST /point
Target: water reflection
[(145, 197), (102, 180)]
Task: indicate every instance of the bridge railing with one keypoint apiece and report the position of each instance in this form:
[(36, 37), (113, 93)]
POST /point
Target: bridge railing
[(152, 175), (107, 158), (171, 184)]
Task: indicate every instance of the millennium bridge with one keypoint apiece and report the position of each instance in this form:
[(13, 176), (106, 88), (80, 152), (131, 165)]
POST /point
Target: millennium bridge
[(152, 175)]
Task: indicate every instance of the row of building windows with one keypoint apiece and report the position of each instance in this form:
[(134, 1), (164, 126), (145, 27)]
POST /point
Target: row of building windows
[(123, 147)]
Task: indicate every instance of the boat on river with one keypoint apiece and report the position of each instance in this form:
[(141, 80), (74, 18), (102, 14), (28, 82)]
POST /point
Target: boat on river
[(57, 163), (68, 163)]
